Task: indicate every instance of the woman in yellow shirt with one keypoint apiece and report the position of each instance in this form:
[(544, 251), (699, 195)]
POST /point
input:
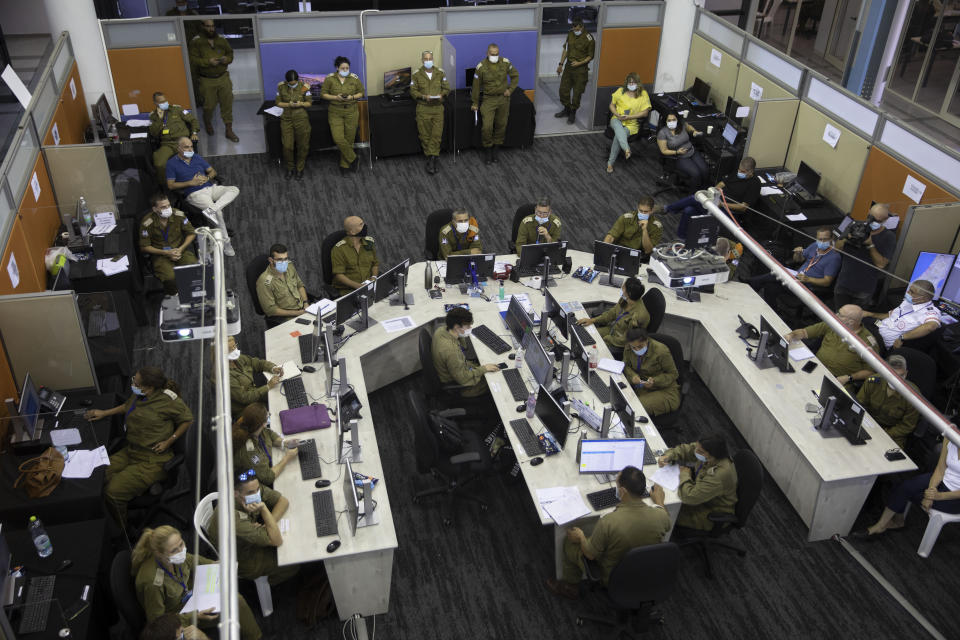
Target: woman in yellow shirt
[(628, 106)]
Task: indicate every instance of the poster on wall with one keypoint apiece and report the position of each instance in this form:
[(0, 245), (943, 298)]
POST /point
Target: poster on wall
[(914, 189), (756, 91), (831, 135), (13, 271), (35, 185), (73, 88), (715, 57)]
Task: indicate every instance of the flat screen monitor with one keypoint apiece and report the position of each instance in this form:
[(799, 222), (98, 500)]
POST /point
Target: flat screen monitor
[(777, 348), (730, 134), (194, 283), (533, 255), (808, 178), (702, 232), (538, 360), (611, 456), (700, 90), (397, 81), (386, 283), (350, 497), (627, 259), (553, 311), (937, 268), (578, 353), (103, 113), (519, 323), (29, 406), (460, 268), (552, 416), (618, 402), (351, 303), (329, 349), (847, 414), (731, 110)]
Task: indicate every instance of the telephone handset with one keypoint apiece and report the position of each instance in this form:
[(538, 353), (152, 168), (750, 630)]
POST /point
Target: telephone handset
[(746, 330)]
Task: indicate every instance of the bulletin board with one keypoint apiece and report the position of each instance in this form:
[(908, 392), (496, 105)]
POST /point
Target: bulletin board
[(722, 79), (138, 72), (625, 50)]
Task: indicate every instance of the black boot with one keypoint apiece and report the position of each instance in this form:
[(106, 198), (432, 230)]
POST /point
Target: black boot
[(436, 164), (495, 153), (300, 175), (563, 112), (572, 116), (488, 155), (429, 165), (289, 174)]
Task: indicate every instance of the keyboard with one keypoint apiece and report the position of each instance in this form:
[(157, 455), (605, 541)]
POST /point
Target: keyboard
[(599, 387), (584, 335), (324, 516), (531, 444), (309, 460), (648, 456), (516, 383), (294, 392), (600, 500), (307, 354), (37, 605), (491, 340), (96, 323), (111, 244)]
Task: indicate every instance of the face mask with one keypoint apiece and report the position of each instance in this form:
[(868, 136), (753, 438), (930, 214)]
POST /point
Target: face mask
[(823, 245), (188, 154), (281, 265), (233, 355), (577, 33), (493, 59), (462, 227), (908, 298), (166, 213), (179, 558), (137, 390), (616, 490), (631, 87), (164, 106), (465, 333), (543, 220), (700, 456), (252, 498), (344, 74), (640, 351), (428, 64), (876, 225), (741, 175), (672, 124), (642, 215), (293, 85)]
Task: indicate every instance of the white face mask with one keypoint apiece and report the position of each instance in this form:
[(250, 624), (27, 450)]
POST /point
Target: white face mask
[(166, 212), (493, 59), (253, 498), (428, 64), (543, 220), (180, 557), (233, 355), (631, 87), (671, 124), (465, 333), (577, 32), (462, 227)]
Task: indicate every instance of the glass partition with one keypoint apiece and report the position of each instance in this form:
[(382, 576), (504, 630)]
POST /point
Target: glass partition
[(122, 34), (23, 155), (450, 67)]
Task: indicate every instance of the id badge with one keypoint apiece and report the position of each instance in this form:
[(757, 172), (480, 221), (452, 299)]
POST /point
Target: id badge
[(186, 596), (167, 248), (165, 131)]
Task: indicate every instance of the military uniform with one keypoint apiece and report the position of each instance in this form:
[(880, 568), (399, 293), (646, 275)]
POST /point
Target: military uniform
[(280, 291), (343, 116), (527, 231), (492, 80), (450, 361), (575, 78), (160, 591), (215, 85), (243, 389), (355, 265), (176, 123), (636, 524), (257, 454), (613, 324), (295, 123), (154, 234), (429, 112), (656, 363), (839, 358), (456, 244), (148, 420), (891, 410), (256, 556), (708, 490), (626, 231)]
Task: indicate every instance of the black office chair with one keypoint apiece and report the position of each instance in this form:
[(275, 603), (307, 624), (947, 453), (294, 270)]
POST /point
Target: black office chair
[(522, 212), (643, 577), (159, 497), (921, 369), (252, 271), (656, 306), (439, 395), (456, 457), (668, 421), (670, 179), (871, 325), (132, 619), (431, 233), (749, 485), (325, 247)]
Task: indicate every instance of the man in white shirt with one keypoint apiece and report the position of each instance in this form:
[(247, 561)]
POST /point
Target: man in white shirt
[(916, 316)]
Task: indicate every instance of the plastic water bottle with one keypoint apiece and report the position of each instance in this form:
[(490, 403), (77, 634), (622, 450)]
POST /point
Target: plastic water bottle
[(40, 538), (519, 358), (594, 357), (86, 218), (531, 405), (501, 294)]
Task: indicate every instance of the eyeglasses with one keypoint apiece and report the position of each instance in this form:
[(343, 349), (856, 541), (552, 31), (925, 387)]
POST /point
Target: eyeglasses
[(247, 475)]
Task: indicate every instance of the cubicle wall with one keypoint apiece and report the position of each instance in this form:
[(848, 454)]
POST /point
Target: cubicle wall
[(315, 58), (713, 64), (147, 56), (770, 131), (70, 118), (80, 170)]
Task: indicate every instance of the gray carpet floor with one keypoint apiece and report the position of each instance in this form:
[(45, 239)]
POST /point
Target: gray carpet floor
[(483, 576)]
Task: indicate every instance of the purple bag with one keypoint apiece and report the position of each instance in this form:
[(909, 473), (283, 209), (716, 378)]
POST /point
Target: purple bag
[(308, 418)]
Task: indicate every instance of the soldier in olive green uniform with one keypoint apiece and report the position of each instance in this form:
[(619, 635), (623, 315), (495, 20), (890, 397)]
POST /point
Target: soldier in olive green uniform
[(154, 418), (164, 586), (165, 234), (243, 387), (496, 78), (342, 90), (578, 50), (429, 88), (637, 229), (839, 358), (255, 445), (169, 123), (461, 236), (280, 291), (212, 54), (710, 488), (293, 96), (353, 259), (257, 531), (649, 367), (627, 314), (542, 226), (891, 410), (449, 359)]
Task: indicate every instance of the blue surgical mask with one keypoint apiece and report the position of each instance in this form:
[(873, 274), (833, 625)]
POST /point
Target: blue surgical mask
[(823, 245), (641, 351), (876, 225), (252, 498), (577, 33), (632, 87), (908, 298), (642, 215), (428, 64), (293, 85), (164, 106), (543, 220), (700, 456), (137, 390), (188, 154), (344, 74), (741, 175), (281, 265)]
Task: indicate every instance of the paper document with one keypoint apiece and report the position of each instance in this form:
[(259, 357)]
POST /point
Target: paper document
[(111, 267), (103, 229), (562, 504), (274, 111), (130, 109), (796, 217), (104, 217), (65, 437), (611, 365), (522, 298), (831, 135), (770, 191), (16, 86), (82, 462), (398, 324), (206, 589), (134, 122), (742, 112), (913, 188), (290, 370), (800, 353), (324, 306), (667, 477), (134, 136)]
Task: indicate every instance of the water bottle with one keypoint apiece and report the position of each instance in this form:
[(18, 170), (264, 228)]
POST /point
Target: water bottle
[(594, 358), (428, 276), (501, 294), (86, 218), (519, 358), (40, 538), (531, 405)]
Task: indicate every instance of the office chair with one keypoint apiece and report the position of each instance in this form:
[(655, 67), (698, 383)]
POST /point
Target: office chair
[(456, 457), (522, 212), (668, 421), (871, 325), (431, 233), (643, 577), (439, 395), (325, 248), (669, 178), (921, 369), (252, 271), (749, 485), (124, 593), (160, 496), (656, 306)]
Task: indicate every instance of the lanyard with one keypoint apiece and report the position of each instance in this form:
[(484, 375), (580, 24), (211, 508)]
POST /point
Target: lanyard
[(814, 260), (548, 230), (186, 592), (166, 231), (618, 318), (457, 236), (906, 313), (266, 450)]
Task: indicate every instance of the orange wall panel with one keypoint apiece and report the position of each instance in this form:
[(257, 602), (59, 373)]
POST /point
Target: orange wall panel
[(40, 216), (625, 50), (137, 73), (31, 281), (71, 116), (883, 180)]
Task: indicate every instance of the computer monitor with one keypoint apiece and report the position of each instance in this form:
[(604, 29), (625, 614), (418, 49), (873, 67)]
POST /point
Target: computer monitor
[(397, 81), (552, 416), (357, 301), (194, 283), (774, 349), (101, 110), (534, 255), (611, 456), (808, 178), (731, 110), (538, 360), (730, 133), (517, 320), (700, 90), (553, 311), (935, 268), (6, 588), (29, 407), (460, 268), (951, 288), (612, 258), (618, 402), (702, 232), (387, 282), (841, 414)]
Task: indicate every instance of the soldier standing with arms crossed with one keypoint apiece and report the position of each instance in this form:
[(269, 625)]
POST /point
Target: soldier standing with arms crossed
[(429, 88)]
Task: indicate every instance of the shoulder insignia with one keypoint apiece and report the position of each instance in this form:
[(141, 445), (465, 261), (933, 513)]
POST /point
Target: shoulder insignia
[(557, 221), (158, 578), (628, 216), (479, 64), (341, 243), (657, 223), (871, 340), (474, 228), (268, 280), (177, 212), (589, 37), (445, 230), (873, 379), (147, 221), (507, 60), (171, 394), (440, 69), (353, 75), (280, 84), (250, 446), (185, 222), (242, 515), (526, 220), (368, 238), (444, 241)]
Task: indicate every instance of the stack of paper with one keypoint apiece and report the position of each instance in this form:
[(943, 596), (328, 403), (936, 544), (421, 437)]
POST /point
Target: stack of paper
[(82, 462), (274, 111), (667, 477), (324, 306), (290, 370), (133, 122), (111, 267), (562, 504), (608, 364), (206, 589), (103, 223)]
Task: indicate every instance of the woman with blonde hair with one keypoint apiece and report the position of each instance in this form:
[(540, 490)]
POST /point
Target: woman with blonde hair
[(163, 579), (628, 106), (254, 444)]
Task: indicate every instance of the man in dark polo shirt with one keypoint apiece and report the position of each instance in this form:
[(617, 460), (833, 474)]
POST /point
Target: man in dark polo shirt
[(741, 190)]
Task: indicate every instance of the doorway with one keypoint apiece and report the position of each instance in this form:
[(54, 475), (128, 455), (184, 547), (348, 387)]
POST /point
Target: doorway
[(556, 24)]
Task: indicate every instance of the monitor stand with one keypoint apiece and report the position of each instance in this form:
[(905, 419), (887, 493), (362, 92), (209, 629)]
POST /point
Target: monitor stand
[(363, 519), (761, 357), (688, 294), (364, 321), (611, 280), (401, 297), (545, 279)]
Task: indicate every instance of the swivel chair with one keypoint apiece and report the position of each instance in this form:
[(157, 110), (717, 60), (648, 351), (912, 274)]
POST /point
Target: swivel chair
[(522, 212), (124, 593), (325, 248), (669, 421), (439, 395), (159, 498), (252, 271), (431, 233), (656, 306)]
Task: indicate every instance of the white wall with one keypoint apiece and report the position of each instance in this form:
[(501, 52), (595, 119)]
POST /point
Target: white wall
[(245, 74), (678, 20), (23, 16), (551, 48)]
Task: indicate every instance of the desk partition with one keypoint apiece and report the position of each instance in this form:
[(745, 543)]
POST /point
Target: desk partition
[(387, 54), (146, 56), (930, 227), (80, 170), (70, 119), (519, 46), (714, 65), (770, 132), (750, 83)]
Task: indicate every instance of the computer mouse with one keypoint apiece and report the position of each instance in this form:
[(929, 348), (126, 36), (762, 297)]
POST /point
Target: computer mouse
[(643, 419), (521, 407), (309, 369), (502, 365), (321, 483), (333, 546), (536, 461), (512, 356), (621, 385)]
